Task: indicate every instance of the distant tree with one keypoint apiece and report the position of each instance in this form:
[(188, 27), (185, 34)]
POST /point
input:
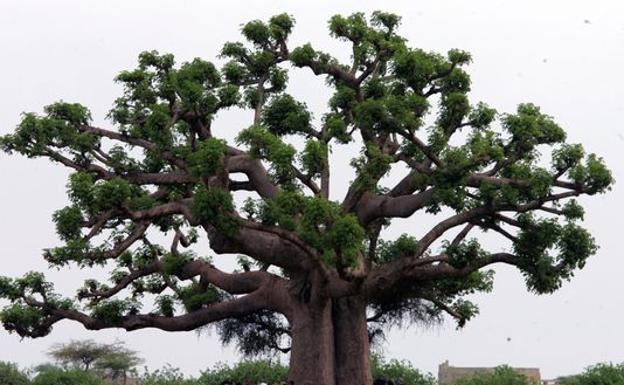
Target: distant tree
[(80, 354), (600, 374), (117, 363), (319, 272), (11, 375), (502, 375)]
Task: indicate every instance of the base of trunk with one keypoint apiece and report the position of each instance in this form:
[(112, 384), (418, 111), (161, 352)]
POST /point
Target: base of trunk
[(352, 355), (312, 349)]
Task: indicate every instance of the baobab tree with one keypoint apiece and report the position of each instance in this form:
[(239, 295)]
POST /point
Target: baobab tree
[(317, 270)]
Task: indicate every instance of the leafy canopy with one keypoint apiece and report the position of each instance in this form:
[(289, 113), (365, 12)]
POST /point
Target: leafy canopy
[(161, 169)]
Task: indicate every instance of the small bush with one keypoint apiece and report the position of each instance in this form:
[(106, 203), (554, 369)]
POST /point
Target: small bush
[(400, 372), (11, 375), (502, 375), (256, 371), (167, 376), (600, 374), (57, 376)]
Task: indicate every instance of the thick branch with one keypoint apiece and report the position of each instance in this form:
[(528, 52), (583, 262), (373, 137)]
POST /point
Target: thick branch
[(190, 321)]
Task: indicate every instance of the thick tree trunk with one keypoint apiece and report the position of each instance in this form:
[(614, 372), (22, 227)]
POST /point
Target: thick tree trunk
[(312, 349), (352, 361)]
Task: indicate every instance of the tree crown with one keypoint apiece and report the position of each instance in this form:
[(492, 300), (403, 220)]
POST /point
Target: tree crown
[(163, 171)]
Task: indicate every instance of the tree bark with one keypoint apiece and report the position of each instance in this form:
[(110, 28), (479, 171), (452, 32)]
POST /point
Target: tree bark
[(312, 349), (352, 353)]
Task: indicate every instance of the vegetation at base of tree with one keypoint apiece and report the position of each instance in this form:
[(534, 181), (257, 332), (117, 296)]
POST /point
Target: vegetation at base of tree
[(60, 376), (10, 374), (321, 276), (167, 376), (270, 372), (257, 371), (502, 375), (400, 371)]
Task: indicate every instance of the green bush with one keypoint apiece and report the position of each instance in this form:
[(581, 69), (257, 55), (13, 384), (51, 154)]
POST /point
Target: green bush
[(167, 376), (58, 376), (600, 374), (502, 375), (11, 375), (257, 371), (401, 372)]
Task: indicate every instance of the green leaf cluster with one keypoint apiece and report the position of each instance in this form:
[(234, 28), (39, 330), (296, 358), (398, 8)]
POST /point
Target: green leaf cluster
[(544, 272), (263, 144)]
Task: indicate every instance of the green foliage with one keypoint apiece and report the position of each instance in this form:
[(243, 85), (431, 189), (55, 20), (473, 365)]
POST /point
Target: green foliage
[(68, 222), (572, 210), (372, 165), (465, 253), (207, 158), (79, 189), (113, 310), (345, 236), (284, 115), (24, 320), (313, 157), (400, 372), (58, 376), (174, 263), (502, 375), (168, 376), (482, 115), (256, 371), (337, 235), (111, 193), (402, 247), (599, 374), (567, 156), (417, 68), (165, 304), (59, 128), (73, 250), (543, 272), (454, 107), (264, 144), (593, 175), (530, 127), (194, 296), (214, 206), (11, 375), (304, 55)]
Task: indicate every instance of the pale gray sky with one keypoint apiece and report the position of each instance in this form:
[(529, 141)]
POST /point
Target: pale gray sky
[(566, 56)]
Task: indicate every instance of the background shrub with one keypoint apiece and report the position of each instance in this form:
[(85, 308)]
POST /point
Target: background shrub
[(11, 375), (600, 374), (58, 376), (167, 376), (502, 375), (401, 372), (256, 371)]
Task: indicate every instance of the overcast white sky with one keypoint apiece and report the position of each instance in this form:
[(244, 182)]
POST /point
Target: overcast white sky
[(566, 56)]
